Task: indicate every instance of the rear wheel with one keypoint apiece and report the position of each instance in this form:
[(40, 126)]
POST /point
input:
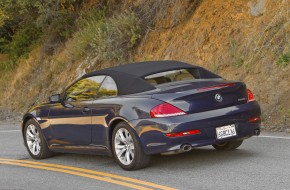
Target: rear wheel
[(228, 145), (35, 142), (127, 149)]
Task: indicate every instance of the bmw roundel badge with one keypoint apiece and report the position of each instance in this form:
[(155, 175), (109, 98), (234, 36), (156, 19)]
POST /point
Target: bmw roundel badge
[(218, 97)]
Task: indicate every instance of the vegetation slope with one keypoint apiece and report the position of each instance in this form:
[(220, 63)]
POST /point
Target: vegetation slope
[(45, 45)]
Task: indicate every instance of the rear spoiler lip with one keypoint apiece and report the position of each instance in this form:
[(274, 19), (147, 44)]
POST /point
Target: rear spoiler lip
[(208, 88)]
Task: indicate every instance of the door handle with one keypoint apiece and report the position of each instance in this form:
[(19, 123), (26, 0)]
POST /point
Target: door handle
[(86, 109)]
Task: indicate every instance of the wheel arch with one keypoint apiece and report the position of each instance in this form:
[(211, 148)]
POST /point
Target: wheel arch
[(112, 125), (26, 118)]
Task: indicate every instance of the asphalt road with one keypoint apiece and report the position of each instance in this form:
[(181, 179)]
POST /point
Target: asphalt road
[(260, 163)]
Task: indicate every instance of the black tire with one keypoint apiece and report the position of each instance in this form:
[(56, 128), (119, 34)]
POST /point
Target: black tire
[(44, 150), (140, 160), (228, 145)]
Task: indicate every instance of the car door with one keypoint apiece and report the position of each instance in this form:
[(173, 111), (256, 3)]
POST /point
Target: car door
[(103, 110), (71, 121)]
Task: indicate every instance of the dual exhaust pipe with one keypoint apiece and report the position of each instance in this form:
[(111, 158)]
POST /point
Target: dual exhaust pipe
[(186, 147)]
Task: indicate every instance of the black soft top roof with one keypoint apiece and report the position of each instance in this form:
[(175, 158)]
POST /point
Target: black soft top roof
[(129, 78)]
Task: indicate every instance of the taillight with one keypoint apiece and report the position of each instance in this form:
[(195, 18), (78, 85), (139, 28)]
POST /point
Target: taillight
[(255, 119), (165, 110), (250, 96), (181, 134)]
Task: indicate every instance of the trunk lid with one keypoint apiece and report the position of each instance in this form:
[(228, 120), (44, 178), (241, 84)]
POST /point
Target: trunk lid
[(202, 95)]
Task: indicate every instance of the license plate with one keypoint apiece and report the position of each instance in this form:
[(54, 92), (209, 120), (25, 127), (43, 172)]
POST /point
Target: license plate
[(226, 131)]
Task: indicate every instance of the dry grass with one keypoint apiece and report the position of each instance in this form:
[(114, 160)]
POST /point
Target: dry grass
[(224, 37), (3, 57), (35, 79), (273, 37), (220, 35)]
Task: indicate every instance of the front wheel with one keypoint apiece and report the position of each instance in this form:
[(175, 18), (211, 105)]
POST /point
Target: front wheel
[(35, 142), (127, 149), (228, 145)]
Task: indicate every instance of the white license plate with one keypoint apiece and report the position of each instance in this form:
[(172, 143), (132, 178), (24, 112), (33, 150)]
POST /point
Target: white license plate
[(226, 131)]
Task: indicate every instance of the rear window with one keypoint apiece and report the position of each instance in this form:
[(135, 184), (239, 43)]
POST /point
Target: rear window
[(172, 76)]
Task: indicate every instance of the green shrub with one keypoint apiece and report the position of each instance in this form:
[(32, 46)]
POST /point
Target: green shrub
[(3, 41), (59, 25), (283, 60), (22, 41), (87, 24), (237, 58), (7, 65), (6, 32), (106, 38), (55, 20)]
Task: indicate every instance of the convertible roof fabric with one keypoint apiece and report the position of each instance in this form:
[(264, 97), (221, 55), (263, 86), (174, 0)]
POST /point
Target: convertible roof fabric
[(129, 78)]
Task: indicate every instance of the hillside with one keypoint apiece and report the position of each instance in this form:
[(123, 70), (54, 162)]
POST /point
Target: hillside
[(240, 40)]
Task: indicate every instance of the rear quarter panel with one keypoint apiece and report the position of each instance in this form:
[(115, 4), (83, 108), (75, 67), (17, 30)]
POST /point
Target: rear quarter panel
[(106, 113)]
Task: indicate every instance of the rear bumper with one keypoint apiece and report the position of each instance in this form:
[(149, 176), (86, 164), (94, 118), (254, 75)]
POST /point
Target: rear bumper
[(152, 131)]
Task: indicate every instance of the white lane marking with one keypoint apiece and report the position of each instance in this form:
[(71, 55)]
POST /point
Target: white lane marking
[(274, 137), (9, 131)]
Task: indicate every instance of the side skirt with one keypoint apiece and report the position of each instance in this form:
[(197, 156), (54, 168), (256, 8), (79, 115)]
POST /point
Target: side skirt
[(90, 149)]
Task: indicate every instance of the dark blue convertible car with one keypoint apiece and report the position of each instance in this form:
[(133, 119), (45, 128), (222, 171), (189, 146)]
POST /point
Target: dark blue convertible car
[(136, 110)]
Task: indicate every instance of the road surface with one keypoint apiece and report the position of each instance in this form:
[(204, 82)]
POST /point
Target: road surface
[(260, 163)]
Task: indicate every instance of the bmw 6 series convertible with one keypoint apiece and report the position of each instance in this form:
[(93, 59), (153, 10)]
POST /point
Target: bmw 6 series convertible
[(140, 109)]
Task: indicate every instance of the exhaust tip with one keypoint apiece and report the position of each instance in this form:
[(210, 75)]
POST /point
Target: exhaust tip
[(186, 147)]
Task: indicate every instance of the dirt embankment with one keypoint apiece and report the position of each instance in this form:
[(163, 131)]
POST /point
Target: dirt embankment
[(8, 116), (240, 40)]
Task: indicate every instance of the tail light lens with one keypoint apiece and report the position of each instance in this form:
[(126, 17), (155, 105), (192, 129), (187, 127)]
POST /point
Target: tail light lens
[(166, 110), (250, 96)]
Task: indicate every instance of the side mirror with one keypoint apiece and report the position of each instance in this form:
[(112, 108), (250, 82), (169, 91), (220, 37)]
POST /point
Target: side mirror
[(54, 98)]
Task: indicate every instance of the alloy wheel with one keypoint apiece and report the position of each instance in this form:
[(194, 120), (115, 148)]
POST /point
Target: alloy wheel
[(124, 146), (33, 139)]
